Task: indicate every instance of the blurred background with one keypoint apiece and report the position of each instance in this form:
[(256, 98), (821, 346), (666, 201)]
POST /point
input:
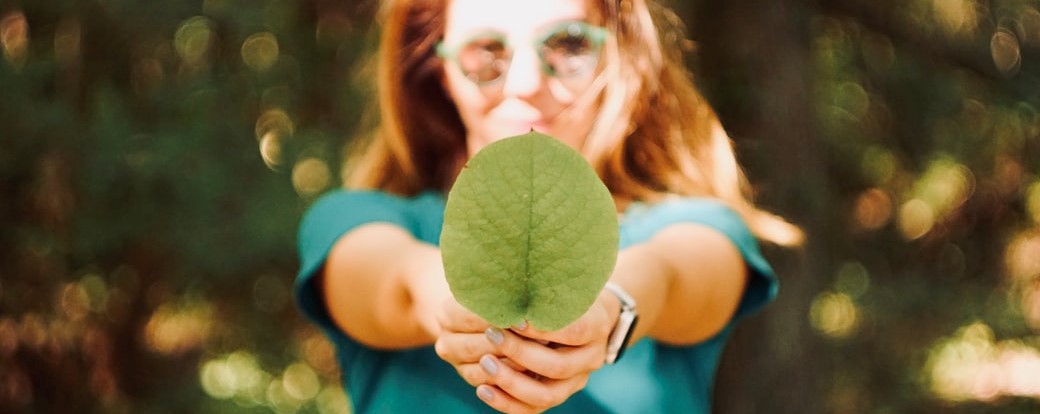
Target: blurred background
[(155, 158)]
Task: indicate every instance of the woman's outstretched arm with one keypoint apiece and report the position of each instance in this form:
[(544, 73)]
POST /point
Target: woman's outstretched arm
[(383, 287), (688, 280)]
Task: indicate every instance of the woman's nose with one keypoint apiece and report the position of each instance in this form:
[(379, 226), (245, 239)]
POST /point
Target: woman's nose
[(524, 77)]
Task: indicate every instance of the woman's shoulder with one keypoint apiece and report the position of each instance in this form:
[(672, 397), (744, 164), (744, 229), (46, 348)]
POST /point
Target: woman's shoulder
[(370, 198), (370, 202), (339, 211), (642, 221), (713, 212)]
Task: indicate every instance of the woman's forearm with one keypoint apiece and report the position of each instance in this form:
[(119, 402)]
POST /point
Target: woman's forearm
[(382, 286), (687, 281)]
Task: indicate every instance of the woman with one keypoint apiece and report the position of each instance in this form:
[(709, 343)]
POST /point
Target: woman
[(456, 75)]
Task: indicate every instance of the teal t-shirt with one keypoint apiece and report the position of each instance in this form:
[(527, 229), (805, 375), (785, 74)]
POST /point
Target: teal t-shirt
[(651, 378)]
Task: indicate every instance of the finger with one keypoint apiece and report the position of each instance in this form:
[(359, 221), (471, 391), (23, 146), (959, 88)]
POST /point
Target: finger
[(541, 394), (580, 332), (499, 400), (556, 363), (462, 348), (594, 324), (457, 349), (473, 374), (455, 317)]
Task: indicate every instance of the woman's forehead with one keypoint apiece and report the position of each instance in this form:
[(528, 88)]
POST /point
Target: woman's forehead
[(512, 17)]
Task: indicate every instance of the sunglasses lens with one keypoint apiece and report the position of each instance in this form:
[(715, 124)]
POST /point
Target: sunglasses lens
[(570, 50), (566, 51), (484, 60)]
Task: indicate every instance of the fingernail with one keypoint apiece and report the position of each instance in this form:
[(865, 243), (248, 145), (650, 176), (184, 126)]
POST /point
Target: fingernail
[(494, 335), (520, 326), (489, 363), (485, 394)]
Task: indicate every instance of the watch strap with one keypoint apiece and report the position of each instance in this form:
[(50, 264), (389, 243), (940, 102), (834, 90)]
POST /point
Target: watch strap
[(618, 340)]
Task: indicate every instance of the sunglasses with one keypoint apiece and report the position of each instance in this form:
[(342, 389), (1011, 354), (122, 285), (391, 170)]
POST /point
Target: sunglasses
[(565, 50)]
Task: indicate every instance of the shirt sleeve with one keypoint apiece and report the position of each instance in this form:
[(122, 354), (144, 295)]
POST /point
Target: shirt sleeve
[(325, 222), (762, 285)]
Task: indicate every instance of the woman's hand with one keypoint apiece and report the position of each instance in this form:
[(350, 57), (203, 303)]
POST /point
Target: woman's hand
[(524, 370)]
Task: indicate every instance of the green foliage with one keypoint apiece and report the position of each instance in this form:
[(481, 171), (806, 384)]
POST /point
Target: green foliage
[(530, 232), (145, 231)]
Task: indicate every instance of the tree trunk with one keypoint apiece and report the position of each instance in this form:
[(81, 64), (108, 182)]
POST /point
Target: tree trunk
[(755, 64)]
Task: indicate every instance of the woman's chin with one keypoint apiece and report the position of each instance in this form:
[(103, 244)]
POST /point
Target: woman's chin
[(520, 129)]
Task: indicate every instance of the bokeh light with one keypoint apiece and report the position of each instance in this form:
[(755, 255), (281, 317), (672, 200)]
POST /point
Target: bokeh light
[(916, 218), (96, 290), (1023, 365), (193, 40), (1033, 202), (957, 365), (74, 301), (175, 329), (973, 365), (8, 337), (333, 400), (271, 149), (1029, 19), (237, 375), (1006, 51), (300, 382), (879, 164), (852, 279), (1010, 175), (956, 16), (834, 315), (279, 399), (32, 331), (273, 127), (943, 188), (872, 209), (319, 353), (260, 51), (311, 176), (945, 185), (854, 99), (14, 38), (1022, 257), (1031, 304), (217, 379)]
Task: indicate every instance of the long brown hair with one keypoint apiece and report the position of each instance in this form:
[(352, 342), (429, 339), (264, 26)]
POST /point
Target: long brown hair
[(654, 136)]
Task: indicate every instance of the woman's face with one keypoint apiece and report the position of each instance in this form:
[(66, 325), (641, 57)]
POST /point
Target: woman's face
[(513, 66)]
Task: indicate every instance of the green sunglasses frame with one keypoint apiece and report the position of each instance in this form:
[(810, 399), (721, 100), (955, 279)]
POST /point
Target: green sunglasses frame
[(596, 34)]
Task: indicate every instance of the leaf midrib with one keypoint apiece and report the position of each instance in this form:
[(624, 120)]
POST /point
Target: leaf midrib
[(530, 221)]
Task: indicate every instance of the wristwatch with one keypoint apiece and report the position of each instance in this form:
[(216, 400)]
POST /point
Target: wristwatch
[(625, 325)]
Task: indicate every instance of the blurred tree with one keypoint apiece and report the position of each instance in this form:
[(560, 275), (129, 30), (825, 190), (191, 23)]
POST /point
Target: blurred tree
[(145, 234), (902, 136)]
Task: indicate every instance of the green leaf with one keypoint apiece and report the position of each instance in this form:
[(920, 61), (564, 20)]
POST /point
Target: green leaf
[(530, 232)]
